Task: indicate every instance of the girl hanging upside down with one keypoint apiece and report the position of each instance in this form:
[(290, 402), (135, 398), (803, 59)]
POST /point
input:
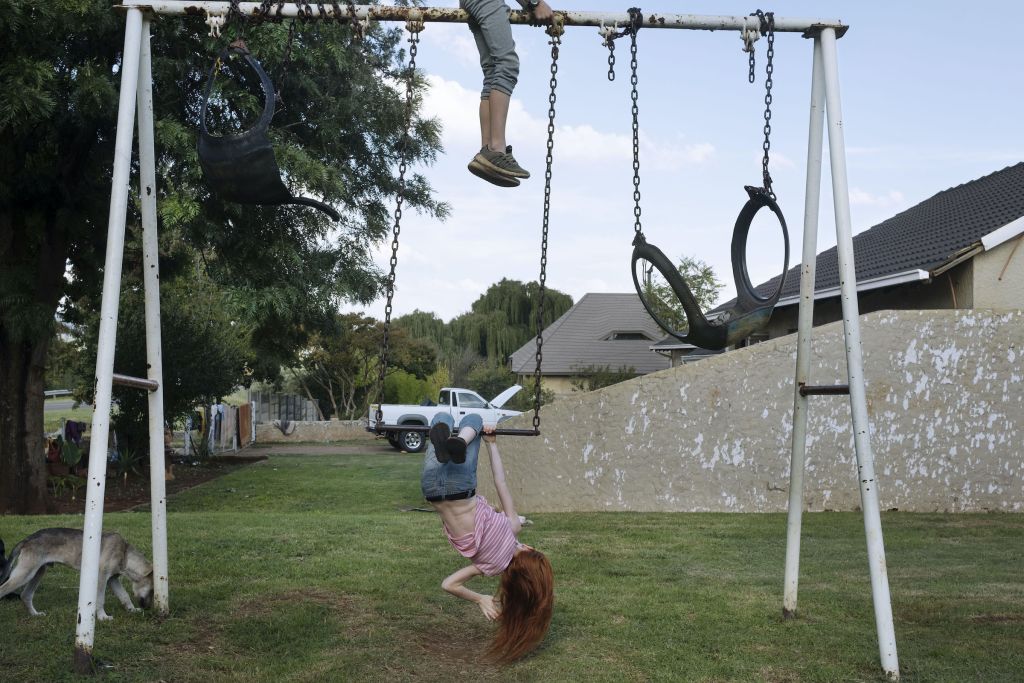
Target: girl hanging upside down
[(525, 597)]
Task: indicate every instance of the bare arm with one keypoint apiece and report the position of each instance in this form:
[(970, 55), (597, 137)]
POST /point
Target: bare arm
[(455, 584), (504, 495)]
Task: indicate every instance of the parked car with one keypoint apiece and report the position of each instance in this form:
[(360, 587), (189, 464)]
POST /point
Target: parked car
[(452, 400)]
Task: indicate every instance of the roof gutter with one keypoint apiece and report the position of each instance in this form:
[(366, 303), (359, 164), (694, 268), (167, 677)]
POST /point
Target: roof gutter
[(915, 275)]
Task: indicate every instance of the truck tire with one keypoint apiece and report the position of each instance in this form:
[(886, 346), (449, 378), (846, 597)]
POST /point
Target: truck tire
[(412, 442), (392, 438)]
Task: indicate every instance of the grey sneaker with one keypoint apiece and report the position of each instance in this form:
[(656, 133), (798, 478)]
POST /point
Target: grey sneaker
[(501, 162), (487, 173)]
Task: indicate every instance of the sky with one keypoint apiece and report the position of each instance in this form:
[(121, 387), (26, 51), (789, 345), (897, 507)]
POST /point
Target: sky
[(932, 97)]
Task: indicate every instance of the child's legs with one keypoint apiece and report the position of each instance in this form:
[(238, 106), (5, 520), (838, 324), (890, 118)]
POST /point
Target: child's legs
[(499, 63), (443, 479), (476, 423)]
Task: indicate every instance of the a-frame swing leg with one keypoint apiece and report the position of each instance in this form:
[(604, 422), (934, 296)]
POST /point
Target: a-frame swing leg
[(805, 325), (826, 78), (135, 90), (154, 348)]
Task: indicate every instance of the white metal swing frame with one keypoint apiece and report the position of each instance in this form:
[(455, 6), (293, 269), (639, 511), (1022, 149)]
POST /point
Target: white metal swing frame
[(136, 92)]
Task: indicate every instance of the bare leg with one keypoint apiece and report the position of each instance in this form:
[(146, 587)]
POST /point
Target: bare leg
[(485, 123), (499, 102)]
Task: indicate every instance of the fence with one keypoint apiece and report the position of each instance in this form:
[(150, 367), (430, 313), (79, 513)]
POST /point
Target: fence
[(271, 406)]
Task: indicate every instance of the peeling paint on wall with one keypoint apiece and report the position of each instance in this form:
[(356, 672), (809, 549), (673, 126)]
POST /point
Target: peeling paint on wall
[(945, 402)]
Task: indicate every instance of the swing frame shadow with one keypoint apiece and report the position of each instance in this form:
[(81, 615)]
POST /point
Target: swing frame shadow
[(136, 91)]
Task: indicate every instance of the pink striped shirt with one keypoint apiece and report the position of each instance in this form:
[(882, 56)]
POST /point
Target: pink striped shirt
[(492, 544)]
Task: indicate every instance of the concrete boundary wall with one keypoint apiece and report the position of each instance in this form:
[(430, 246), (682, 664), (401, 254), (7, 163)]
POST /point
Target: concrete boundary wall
[(945, 394), (323, 431)]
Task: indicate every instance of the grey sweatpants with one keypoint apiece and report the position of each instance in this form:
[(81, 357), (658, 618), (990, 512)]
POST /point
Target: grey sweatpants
[(488, 20)]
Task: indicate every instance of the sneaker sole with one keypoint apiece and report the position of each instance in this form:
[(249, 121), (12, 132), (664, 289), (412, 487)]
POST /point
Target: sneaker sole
[(480, 171), (483, 161), (439, 434), (456, 449)]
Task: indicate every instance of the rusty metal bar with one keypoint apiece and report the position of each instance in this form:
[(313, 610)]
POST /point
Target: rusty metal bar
[(824, 390), (137, 382), (454, 15)]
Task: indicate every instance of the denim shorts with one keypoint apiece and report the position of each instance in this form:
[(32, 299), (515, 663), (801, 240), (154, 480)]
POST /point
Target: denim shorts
[(488, 20), (445, 479)]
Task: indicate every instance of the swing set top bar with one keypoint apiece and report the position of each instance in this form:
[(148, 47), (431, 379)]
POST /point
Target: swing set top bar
[(454, 15)]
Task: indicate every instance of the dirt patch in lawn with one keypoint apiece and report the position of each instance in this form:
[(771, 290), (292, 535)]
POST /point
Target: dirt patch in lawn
[(133, 492)]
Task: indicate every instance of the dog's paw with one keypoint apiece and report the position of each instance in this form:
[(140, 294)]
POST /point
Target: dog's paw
[(103, 616), (134, 609), (37, 614)]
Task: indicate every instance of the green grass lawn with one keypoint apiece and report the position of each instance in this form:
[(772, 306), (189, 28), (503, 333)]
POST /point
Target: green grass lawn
[(52, 418), (306, 568)]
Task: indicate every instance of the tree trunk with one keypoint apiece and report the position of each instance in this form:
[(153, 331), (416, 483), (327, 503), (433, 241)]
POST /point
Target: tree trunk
[(22, 465)]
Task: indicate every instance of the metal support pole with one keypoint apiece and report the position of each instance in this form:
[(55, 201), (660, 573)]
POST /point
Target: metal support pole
[(93, 528), (154, 352), (805, 325), (854, 362)]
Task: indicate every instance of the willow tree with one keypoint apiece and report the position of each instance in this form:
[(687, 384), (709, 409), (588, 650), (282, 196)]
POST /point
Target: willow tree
[(337, 132)]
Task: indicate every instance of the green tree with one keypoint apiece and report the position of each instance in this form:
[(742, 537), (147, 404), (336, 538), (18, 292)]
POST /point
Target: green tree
[(702, 281), (342, 366), (206, 353), (282, 269)]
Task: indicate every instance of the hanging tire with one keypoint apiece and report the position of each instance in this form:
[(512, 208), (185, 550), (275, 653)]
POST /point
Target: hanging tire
[(412, 442)]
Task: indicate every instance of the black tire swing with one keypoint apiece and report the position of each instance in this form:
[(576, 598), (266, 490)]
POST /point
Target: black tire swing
[(752, 310), (242, 168)]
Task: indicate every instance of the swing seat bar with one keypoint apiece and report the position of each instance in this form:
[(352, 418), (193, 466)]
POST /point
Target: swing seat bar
[(423, 429)]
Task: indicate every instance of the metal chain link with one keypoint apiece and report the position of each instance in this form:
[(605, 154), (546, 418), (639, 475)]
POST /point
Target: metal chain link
[(611, 59), (635, 20), (768, 29), (555, 30), (414, 27), (750, 61)]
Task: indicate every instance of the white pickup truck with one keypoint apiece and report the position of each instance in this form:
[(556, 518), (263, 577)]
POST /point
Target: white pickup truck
[(456, 402)]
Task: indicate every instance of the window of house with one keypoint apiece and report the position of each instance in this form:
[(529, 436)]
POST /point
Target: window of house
[(628, 336)]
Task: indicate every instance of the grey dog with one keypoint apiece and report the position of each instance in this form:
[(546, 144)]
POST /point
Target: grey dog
[(28, 562)]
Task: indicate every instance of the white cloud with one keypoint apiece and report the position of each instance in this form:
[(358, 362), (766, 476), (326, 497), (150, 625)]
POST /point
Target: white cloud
[(458, 108), (454, 40)]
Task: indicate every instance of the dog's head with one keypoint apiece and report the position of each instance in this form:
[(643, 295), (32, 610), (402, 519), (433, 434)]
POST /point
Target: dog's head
[(143, 590), (139, 571)]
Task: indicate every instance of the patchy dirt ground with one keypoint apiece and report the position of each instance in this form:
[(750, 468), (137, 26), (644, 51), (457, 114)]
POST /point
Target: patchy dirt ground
[(125, 494)]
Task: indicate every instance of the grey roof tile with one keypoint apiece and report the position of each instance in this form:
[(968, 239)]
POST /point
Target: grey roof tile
[(578, 338), (924, 236)]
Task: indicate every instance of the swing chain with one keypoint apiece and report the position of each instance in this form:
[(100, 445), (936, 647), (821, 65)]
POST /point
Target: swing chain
[(768, 29), (414, 27), (611, 60), (636, 20), (555, 31)]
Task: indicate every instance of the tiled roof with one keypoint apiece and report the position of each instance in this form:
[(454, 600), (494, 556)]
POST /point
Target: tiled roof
[(923, 237), (579, 338)]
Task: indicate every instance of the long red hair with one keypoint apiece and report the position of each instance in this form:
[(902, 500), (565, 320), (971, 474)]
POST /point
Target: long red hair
[(527, 601)]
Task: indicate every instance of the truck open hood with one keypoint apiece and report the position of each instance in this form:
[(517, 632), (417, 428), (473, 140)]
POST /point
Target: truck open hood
[(502, 398)]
